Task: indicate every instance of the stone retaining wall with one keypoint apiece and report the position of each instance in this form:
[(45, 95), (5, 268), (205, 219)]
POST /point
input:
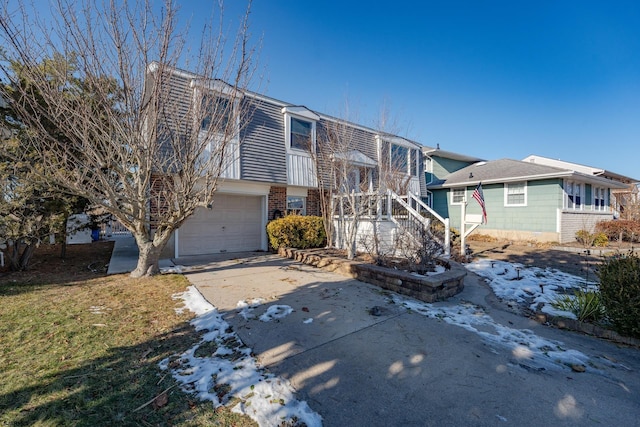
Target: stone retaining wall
[(586, 328), (431, 288)]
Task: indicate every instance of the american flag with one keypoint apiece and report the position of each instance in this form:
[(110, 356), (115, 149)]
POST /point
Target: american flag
[(479, 196)]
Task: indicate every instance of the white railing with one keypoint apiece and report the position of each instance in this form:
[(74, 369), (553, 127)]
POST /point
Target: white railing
[(113, 228), (407, 212)]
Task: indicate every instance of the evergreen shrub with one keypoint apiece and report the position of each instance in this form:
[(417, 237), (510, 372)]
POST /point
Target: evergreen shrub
[(620, 291), (296, 231)]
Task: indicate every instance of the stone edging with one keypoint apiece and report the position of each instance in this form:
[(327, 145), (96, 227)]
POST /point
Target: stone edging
[(432, 288), (585, 328)]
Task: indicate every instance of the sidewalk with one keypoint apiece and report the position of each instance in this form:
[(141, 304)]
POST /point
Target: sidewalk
[(124, 256)]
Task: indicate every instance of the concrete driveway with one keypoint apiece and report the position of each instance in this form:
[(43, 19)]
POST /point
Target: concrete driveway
[(365, 360)]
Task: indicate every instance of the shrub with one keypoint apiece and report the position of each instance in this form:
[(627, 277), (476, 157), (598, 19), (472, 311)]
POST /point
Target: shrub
[(586, 305), (620, 289), (584, 237), (295, 231), (600, 240), (620, 230)]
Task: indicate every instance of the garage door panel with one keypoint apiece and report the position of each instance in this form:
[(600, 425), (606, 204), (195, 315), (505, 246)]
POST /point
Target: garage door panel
[(234, 224)]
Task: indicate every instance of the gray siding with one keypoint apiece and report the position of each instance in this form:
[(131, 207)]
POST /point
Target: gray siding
[(353, 139), (175, 119), (572, 222), (421, 175), (262, 144)]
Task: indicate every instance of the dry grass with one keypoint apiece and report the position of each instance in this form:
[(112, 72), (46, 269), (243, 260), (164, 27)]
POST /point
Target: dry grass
[(83, 349)]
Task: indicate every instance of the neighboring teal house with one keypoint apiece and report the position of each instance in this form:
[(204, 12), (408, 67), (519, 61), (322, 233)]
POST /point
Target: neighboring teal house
[(524, 200)]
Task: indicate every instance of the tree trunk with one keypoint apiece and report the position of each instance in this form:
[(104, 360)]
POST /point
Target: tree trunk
[(149, 254), (18, 259), (147, 260)]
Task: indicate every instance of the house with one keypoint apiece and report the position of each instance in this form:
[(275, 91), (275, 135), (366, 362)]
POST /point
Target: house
[(525, 200), (620, 198), (272, 169)]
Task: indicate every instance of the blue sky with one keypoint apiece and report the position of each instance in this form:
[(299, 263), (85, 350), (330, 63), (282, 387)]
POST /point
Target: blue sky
[(491, 79)]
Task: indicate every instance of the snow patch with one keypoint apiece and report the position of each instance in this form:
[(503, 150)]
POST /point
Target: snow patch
[(276, 312), (220, 367)]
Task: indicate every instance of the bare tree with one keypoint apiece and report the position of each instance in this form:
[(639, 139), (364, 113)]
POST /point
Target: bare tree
[(141, 138)]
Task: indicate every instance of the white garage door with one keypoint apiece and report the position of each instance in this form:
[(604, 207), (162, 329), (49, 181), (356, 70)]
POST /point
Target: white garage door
[(233, 225)]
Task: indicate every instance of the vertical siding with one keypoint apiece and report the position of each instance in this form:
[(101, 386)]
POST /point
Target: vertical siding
[(262, 146), (301, 171)]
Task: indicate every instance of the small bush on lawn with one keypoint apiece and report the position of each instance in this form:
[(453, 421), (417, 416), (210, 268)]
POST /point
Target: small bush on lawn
[(598, 239), (295, 231), (620, 289), (586, 305), (584, 237)]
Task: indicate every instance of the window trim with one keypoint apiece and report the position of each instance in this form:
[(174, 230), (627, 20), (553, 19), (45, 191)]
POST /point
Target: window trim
[(202, 92), (605, 199), (506, 194), (304, 115), (303, 211), (428, 169), (566, 195), (464, 198)]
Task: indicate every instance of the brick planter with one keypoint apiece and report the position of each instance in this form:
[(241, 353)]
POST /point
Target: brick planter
[(436, 287)]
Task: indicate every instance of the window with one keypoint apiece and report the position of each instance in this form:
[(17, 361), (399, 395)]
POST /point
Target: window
[(296, 205), (399, 158), (458, 196), (217, 107), (358, 179), (573, 190), (600, 199), (413, 162), (300, 130), (428, 199), (428, 168), (515, 194), (301, 134)]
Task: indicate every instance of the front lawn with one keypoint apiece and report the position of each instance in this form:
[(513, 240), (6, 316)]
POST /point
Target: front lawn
[(82, 349)]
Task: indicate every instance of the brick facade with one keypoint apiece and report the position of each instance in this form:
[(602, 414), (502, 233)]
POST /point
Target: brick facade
[(158, 203), (277, 202), (313, 202)]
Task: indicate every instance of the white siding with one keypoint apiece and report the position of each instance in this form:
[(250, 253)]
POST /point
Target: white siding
[(300, 171)]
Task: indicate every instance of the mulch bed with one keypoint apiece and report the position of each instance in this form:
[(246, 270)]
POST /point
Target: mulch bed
[(82, 261)]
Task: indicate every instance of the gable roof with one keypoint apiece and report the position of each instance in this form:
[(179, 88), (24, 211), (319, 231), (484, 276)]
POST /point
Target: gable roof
[(437, 152), (579, 168), (508, 170)]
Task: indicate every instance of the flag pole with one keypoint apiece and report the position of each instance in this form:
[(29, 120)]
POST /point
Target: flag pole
[(463, 225)]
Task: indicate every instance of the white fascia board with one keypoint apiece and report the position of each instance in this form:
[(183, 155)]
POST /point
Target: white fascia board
[(217, 86), (356, 158), (562, 164), (243, 188), (510, 179), (398, 140), (590, 179), (300, 112)]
